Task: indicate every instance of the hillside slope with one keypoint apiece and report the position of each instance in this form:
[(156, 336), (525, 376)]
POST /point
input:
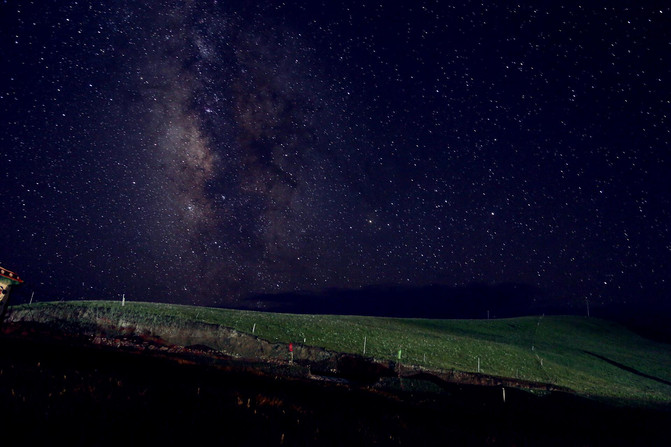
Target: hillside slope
[(590, 356)]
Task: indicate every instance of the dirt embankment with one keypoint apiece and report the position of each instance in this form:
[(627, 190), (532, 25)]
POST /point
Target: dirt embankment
[(206, 341), (216, 342)]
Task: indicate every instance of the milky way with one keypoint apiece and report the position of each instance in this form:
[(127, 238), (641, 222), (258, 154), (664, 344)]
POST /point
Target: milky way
[(232, 112), (204, 151)]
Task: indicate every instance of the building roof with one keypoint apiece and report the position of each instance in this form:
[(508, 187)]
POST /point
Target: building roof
[(8, 274)]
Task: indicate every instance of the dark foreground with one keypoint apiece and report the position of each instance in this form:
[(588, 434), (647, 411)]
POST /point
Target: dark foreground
[(74, 393)]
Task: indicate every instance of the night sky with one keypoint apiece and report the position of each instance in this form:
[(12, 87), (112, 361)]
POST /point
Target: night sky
[(202, 151)]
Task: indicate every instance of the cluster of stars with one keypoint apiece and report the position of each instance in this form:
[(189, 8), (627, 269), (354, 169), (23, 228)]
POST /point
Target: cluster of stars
[(286, 147)]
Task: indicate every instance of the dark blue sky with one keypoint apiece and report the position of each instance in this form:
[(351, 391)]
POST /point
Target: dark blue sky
[(198, 152)]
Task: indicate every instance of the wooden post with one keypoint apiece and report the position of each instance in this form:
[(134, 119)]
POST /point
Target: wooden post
[(254, 328), (478, 364), (504, 394), (399, 367), (364, 345), (123, 300)]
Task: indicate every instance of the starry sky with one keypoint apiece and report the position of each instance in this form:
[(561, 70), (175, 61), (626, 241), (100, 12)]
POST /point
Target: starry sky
[(204, 151)]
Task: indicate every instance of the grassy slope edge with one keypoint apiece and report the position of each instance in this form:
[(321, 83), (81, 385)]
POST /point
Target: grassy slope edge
[(591, 356)]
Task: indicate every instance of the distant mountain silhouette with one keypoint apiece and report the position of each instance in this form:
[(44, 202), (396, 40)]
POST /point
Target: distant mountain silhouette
[(431, 301), (648, 315)]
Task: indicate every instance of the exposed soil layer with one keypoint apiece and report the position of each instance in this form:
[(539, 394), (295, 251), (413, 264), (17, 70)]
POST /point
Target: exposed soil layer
[(117, 389)]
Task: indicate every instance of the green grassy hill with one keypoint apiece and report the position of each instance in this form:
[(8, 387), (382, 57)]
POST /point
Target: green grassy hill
[(591, 356)]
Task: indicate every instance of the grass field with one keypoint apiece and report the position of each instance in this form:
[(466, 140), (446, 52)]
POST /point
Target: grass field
[(591, 356)]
